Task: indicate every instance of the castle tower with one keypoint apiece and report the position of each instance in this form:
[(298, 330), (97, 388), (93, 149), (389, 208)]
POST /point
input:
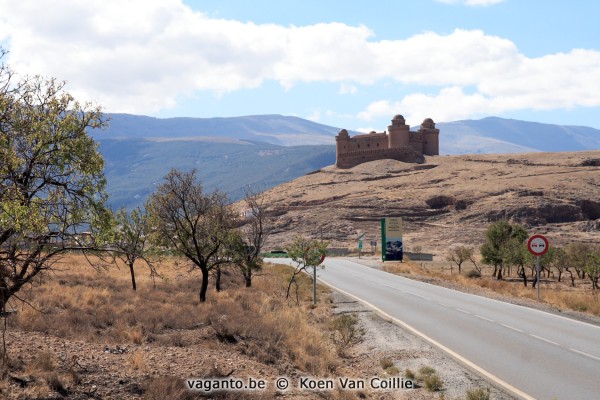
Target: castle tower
[(342, 147), (398, 132), (431, 138)]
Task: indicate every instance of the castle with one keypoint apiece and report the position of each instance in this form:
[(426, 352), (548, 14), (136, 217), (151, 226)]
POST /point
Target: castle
[(399, 144)]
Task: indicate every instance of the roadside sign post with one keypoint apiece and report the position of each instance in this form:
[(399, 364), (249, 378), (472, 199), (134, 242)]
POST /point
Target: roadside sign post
[(537, 246), (360, 238)]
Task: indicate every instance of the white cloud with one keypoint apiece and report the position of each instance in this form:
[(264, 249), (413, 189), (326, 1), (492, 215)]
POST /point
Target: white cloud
[(472, 2), (144, 56)]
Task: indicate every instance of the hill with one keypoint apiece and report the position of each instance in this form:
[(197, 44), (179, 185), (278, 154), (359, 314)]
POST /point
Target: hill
[(448, 200)]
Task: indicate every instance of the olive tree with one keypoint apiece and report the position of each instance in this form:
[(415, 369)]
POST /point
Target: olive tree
[(592, 266), (197, 225), (498, 238), (51, 179)]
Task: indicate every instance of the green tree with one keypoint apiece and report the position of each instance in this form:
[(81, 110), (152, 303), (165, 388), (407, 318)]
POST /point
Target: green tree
[(577, 253), (51, 179), (497, 243), (131, 240), (515, 253), (592, 266), (307, 254), (560, 261), (199, 226)]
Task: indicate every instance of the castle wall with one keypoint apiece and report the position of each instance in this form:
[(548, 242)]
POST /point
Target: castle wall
[(368, 142), (405, 154), (416, 141)]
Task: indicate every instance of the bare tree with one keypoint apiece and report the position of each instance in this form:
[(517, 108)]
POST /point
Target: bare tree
[(197, 225), (130, 242), (253, 234), (459, 255)]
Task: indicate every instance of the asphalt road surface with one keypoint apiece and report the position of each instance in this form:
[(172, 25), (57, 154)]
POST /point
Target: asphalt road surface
[(534, 354)]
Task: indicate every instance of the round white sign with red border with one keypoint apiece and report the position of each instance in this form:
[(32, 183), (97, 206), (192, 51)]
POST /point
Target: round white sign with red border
[(537, 245)]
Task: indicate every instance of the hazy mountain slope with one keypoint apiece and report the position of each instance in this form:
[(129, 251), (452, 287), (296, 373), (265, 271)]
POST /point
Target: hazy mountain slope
[(134, 166), (498, 135), (275, 129)]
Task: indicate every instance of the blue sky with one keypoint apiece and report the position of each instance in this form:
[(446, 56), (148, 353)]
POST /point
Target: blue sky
[(351, 64)]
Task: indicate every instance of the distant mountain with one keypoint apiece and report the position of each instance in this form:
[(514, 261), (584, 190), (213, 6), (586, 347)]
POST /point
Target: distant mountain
[(498, 135), (133, 167), (265, 150), (274, 129)]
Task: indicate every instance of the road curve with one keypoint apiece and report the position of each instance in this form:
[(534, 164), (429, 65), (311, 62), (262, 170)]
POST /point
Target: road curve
[(534, 354)]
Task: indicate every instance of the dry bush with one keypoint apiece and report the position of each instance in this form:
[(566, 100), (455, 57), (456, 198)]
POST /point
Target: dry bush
[(346, 332)]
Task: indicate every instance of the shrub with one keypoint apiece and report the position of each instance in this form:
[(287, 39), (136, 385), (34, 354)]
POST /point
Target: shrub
[(346, 332), (386, 363), (433, 383), (478, 394), (409, 374), (473, 273)]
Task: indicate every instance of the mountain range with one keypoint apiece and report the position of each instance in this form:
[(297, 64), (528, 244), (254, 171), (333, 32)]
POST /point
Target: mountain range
[(263, 151)]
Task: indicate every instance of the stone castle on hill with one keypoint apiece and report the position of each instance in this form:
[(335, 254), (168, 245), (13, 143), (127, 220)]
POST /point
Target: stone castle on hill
[(400, 143)]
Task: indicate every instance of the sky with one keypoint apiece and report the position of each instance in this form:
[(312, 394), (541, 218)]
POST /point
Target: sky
[(350, 64)]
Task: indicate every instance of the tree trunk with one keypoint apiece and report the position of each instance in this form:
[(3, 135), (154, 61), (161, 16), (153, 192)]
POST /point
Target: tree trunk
[(499, 276), (248, 278), (521, 272), (204, 284), (559, 275), (218, 279), (133, 285)]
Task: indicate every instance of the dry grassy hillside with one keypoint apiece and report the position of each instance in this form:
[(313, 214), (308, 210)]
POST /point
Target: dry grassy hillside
[(446, 200)]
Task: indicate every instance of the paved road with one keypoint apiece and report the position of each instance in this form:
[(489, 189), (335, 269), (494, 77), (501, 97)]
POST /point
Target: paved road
[(541, 355)]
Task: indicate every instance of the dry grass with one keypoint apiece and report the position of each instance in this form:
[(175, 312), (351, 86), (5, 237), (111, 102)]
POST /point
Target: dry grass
[(78, 303), (557, 294)]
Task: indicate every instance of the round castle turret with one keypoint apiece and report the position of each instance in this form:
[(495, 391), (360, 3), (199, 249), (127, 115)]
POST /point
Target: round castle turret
[(431, 137), (398, 132)]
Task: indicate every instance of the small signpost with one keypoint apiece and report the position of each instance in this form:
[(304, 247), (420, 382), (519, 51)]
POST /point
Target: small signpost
[(537, 246), (360, 238)]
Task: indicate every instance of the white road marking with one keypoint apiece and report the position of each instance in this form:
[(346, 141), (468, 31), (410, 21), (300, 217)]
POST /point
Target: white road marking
[(418, 295), (585, 354), (484, 318), (463, 311), (512, 327), (543, 339)]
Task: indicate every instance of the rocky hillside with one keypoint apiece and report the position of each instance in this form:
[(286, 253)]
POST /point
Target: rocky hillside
[(448, 200)]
